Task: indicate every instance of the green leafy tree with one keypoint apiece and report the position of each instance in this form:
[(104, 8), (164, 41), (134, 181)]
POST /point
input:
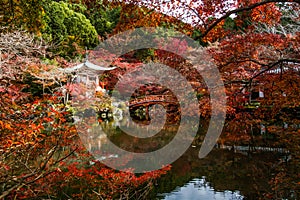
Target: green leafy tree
[(69, 29), (102, 15), (26, 14)]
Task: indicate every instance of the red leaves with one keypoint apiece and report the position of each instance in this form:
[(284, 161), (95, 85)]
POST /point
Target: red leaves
[(268, 14), (217, 33), (2, 89), (39, 142), (81, 178)]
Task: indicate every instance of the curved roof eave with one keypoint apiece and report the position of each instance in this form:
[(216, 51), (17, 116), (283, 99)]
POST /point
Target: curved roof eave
[(89, 65)]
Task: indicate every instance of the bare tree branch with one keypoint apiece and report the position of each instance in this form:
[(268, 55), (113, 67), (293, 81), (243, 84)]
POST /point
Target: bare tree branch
[(270, 66), (238, 10)]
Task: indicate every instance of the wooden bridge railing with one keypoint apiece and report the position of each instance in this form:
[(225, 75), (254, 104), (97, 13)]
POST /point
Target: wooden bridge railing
[(153, 99)]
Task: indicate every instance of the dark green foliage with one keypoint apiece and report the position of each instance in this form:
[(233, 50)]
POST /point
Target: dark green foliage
[(67, 28), (105, 21), (102, 16), (70, 25), (230, 24), (145, 54)]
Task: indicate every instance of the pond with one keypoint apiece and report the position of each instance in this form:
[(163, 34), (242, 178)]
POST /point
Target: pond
[(223, 174), (197, 189)]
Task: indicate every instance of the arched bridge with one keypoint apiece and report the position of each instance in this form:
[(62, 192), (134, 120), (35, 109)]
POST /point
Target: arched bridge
[(153, 99)]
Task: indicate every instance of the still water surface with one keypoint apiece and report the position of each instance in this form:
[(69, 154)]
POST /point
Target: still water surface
[(197, 189), (223, 174)]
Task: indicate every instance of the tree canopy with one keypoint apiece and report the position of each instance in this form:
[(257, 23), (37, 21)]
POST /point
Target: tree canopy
[(254, 44)]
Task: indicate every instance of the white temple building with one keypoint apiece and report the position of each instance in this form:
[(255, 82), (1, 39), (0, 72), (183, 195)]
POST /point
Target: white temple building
[(87, 73)]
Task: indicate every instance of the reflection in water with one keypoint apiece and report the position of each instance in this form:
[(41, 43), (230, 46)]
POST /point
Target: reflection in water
[(228, 175), (199, 189)]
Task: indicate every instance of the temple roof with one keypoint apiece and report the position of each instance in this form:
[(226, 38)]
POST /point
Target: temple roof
[(88, 65)]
